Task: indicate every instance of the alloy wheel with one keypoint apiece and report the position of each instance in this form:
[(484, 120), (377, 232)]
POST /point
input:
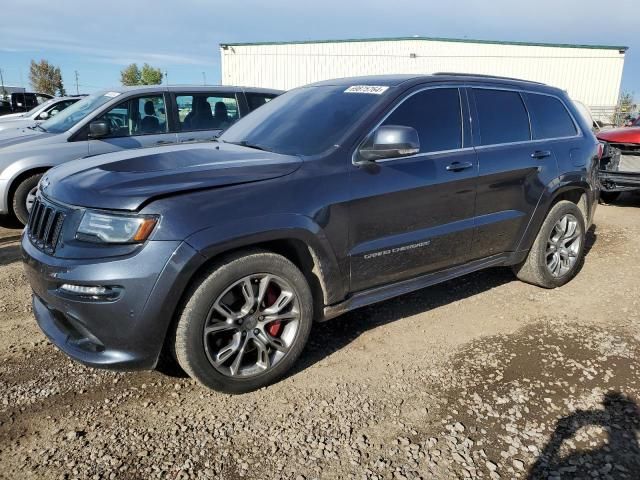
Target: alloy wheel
[(563, 246), (31, 197), (252, 325)]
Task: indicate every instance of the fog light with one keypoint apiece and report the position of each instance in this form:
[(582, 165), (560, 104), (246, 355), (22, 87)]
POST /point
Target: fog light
[(90, 291)]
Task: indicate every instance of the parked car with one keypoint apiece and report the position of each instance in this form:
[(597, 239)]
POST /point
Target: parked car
[(19, 102), (620, 165), (330, 197), (120, 119), (37, 114)]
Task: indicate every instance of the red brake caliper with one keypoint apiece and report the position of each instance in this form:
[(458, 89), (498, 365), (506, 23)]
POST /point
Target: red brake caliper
[(274, 328)]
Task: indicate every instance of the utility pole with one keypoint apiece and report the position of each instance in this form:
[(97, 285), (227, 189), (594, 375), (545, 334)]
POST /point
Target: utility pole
[(77, 86), (166, 78), (204, 78), (3, 92)]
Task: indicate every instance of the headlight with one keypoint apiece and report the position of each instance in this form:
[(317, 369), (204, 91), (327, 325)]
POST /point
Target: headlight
[(106, 228)]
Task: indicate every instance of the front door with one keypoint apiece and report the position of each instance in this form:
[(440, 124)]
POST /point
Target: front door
[(413, 215), (134, 123)]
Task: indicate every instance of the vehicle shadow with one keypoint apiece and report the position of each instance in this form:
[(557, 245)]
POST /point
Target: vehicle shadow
[(7, 221), (627, 199), (9, 254), (329, 337), (618, 457)]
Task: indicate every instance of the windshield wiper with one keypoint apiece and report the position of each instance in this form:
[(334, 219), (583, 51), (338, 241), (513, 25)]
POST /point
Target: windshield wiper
[(37, 125), (245, 143)]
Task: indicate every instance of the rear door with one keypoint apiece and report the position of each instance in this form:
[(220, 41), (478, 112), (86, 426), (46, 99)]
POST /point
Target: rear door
[(414, 215), (514, 170), (136, 122), (203, 116)]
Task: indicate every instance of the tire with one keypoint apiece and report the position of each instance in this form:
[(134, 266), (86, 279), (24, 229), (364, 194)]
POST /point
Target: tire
[(609, 197), (535, 268), (224, 284), (19, 202)]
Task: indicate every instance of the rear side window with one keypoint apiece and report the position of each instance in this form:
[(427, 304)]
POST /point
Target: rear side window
[(256, 100), (207, 111), (550, 116), (436, 116), (502, 117)]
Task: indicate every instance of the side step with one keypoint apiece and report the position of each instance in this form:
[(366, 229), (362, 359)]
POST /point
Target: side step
[(385, 292)]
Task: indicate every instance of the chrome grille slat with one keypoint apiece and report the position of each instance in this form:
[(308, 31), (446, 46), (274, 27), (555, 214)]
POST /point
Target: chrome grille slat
[(45, 225)]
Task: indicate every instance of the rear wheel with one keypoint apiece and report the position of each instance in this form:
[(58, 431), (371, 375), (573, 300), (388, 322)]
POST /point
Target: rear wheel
[(24, 196), (245, 323), (557, 252)]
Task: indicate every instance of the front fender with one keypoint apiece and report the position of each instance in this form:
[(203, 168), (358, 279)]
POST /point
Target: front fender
[(233, 235)]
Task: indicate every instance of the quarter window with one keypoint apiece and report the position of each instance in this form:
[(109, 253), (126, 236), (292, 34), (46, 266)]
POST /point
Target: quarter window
[(502, 117), (551, 117), (436, 116), (137, 116), (206, 111), (256, 100)]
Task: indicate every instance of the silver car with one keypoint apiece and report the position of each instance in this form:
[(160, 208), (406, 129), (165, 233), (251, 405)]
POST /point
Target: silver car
[(118, 119), (37, 114)]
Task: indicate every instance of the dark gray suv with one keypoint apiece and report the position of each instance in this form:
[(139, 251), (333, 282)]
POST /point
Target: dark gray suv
[(330, 197)]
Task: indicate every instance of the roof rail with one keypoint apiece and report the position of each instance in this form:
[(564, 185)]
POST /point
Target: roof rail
[(480, 75)]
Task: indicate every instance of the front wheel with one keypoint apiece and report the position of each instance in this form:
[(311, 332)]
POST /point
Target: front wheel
[(557, 252), (245, 322), (24, 196)]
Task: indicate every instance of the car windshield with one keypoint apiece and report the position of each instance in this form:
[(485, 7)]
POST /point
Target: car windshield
[(304, 121), (75, 113), (37, 108)]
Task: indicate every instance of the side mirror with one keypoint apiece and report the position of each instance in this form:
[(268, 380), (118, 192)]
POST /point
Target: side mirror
[(390, 141), (99, 129), (43, 116)]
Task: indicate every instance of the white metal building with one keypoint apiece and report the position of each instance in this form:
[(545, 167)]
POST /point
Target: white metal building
[(590, 73)]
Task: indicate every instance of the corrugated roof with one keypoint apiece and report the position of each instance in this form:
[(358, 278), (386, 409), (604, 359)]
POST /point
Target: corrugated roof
[(620, 48)]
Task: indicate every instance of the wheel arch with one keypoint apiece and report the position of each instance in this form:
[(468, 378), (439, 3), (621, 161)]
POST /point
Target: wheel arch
[(577, 192), (18, 178)]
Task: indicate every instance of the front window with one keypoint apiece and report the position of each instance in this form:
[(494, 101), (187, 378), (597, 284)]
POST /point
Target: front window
[(304, 121), (76, 113), (144, 115)]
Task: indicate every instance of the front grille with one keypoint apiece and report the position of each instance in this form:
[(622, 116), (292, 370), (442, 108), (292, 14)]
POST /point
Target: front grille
[(45, 226)]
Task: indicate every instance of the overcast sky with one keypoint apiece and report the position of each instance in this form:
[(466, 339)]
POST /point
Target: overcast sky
[(182, 37)]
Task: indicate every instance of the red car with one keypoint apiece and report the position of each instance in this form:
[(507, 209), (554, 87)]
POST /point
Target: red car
[(620, 164)]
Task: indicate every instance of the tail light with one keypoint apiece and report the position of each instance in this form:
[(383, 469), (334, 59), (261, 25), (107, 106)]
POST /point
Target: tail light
[(600, 150)]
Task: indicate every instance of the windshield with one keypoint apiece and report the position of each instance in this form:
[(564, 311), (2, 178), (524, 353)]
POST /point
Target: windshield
[(37, 108), (304, 121), (75, 113)]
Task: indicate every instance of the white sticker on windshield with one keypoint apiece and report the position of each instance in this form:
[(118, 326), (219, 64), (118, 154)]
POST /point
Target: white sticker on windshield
[(112, 94), (373, 89)]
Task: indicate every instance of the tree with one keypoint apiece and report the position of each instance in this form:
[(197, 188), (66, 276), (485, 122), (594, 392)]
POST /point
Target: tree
[(132, 75), (45, 77), (150, 75), (626, 106)]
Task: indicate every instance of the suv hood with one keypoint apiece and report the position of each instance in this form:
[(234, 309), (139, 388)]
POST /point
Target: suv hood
[(126, 180), (620, 135)]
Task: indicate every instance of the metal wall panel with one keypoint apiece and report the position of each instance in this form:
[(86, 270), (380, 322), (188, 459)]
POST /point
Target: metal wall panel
[(591, 75)]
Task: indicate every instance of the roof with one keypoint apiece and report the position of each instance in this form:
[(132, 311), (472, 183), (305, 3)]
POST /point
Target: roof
[(619, 48), (189, 88), (396, 80)]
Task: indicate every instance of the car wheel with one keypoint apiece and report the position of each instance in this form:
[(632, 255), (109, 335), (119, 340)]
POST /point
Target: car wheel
[(244, 323), (609, 197), (24, 197), (557, 252)]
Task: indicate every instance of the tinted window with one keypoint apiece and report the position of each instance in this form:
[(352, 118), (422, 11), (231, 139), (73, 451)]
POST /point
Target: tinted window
[(256, 100), (436, 116), (304, 121), (551, 117), (502, 117), (207, 111), (137, 116)]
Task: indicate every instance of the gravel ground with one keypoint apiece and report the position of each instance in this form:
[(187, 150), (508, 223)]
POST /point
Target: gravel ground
[(481, 377)]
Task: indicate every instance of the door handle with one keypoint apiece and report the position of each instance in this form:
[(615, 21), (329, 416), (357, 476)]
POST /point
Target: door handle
[(163, 142), (541, 154), (459, 166)]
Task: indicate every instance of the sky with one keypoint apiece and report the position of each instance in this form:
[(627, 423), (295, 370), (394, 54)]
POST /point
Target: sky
[(182, 38)]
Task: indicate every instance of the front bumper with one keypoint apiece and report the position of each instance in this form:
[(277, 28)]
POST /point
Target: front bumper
[(124, 333), (4, 186)]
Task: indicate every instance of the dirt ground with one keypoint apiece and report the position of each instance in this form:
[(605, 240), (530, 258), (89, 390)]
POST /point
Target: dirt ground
[(480, 377)]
